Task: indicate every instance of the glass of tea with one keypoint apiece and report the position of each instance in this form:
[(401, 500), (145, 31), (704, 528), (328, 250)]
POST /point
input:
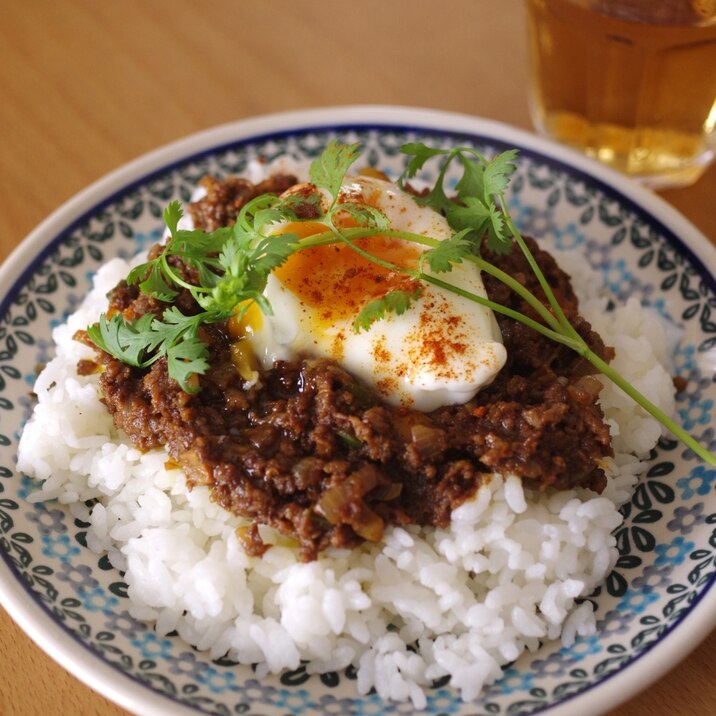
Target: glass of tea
[(629, 82)]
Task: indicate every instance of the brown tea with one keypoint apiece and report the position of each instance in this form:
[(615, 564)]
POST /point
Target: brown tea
[(630, 83)]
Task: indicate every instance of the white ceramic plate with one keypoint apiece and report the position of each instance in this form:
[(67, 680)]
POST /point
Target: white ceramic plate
[(657, 604)]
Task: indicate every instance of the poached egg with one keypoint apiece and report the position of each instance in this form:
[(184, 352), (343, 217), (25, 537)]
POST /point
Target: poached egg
[(440, 351)]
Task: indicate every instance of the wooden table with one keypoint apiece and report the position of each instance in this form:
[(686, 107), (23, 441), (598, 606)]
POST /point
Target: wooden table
[(86, 86)]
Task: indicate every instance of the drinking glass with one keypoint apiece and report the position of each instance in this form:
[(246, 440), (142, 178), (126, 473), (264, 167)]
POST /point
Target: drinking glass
[(629, 82)]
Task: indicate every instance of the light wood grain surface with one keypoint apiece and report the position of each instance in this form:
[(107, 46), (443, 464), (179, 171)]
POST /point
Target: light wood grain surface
[(86, 86)]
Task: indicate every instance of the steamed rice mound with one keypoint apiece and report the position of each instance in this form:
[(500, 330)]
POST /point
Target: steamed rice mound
[(426, 603)]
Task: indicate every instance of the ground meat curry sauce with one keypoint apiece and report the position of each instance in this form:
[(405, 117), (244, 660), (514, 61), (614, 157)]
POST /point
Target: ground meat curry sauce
[(313, 453)]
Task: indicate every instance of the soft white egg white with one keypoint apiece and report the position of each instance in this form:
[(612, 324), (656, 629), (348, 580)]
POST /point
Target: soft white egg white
[(441, 351)]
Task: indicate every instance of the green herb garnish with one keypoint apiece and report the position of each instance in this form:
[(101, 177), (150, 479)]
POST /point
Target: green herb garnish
[(231, 265)]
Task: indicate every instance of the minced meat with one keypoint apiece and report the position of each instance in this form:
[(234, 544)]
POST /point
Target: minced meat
[(313, 453)]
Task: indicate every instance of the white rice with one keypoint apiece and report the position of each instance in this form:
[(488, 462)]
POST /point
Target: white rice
[(425, 604)]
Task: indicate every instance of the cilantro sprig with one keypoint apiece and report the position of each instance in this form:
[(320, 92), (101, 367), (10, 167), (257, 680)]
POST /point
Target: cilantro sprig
[(232, 265), (227, 270)]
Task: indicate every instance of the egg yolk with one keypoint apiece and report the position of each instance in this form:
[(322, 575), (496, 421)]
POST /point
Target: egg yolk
[(239, 329), (336, 280)]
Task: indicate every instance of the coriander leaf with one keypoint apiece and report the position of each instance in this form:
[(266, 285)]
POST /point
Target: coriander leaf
[(395, 301), (199, 250), (152, 283), (436, 198), (185, 359), (246, 271), (246, 219), (307, 206), (421, 153), (271, 251), (269, 209), (172, 214), (233, 258), (471, 184), (127, 341), (176, 337), (273, 215), (448, 252), (174, 323), (328, 170), (364, 215), (139, 272), (498, 171), (197, 245), (498, 240), (225, 295), (471, 214), (139, 343), (481, 218)]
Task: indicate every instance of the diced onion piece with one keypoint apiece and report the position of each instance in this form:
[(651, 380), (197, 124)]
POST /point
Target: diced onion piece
[(367, 524), (385, 493), (343, 503), (196, 471), (428, 441), (589, 384)]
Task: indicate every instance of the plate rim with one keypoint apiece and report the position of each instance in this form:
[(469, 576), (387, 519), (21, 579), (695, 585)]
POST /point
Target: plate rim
[(36, 622)]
